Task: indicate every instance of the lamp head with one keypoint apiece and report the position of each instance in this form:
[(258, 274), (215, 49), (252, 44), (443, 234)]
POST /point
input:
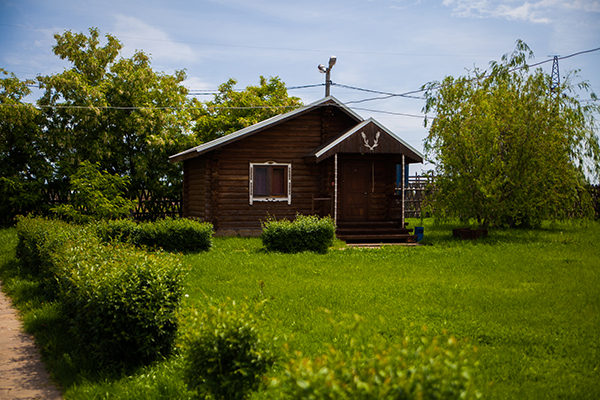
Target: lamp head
[(322, 68), (332, 61)]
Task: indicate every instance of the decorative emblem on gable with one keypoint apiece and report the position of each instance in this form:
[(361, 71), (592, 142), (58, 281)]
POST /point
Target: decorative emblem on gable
[(375, 142)]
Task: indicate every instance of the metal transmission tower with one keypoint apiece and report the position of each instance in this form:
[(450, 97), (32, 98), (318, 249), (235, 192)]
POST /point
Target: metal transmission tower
[(555, 86)]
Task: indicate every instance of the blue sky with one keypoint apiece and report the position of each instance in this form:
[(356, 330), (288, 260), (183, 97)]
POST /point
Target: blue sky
[(383, 45)]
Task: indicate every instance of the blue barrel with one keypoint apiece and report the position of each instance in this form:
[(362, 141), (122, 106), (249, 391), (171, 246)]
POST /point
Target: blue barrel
[(419, 232)]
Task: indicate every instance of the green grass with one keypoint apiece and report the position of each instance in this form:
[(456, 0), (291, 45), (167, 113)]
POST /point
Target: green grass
[(529, 299)]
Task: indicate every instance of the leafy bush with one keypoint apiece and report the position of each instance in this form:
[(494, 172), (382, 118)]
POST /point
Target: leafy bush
[(176, 235), (120, 230), (422, 368), (305, 233), (173, 235), (226, 355), (95, 194), (122, 302), (40, 241)]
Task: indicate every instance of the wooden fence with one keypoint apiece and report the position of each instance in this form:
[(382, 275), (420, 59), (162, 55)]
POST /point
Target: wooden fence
[(416, 188), (151, 209), (148, 208), (414, 195)]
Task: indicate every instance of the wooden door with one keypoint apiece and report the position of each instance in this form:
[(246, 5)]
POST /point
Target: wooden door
[(354, 200)]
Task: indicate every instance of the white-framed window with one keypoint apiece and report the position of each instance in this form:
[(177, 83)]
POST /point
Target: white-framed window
[(270, 181)]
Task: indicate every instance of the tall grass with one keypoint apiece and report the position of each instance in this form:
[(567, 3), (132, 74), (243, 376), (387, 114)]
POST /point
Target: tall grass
[(529, 299)]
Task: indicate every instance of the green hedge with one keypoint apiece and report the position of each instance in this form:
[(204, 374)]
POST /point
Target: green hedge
[(305, 233), (226, 355), (121, 301), (438, 368), (40, 241), (173, 235)]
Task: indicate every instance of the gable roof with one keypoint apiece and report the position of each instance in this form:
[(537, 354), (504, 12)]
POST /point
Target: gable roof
[(250, 130), (368, 137)]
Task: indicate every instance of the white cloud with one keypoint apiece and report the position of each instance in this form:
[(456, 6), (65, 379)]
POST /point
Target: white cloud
[(585, 5), (198, 84), (137, 35), (525, 12), (536, 12)]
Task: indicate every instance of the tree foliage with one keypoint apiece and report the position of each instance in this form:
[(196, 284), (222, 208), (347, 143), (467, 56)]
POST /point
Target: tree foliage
[(114, 111), (506, 150), (232, 110), (96, 195), (22, 149), (117, 113)]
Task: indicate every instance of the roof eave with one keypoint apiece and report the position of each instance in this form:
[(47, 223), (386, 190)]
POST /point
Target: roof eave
[(252, 129)]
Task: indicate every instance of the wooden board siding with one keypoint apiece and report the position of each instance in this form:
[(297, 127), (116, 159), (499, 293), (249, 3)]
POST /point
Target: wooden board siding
[(194, 188), (218, 188), (383, 170), (376, 141), (216, 183)]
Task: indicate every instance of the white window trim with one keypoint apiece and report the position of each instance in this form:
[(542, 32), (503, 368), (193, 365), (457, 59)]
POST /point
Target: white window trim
[(287, 198)]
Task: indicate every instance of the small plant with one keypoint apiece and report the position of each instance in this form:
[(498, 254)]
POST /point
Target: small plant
[(305, 233), (226, 355)]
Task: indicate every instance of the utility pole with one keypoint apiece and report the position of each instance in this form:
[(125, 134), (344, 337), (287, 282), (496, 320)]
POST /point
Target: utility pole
[(555, 86), (327, 72)]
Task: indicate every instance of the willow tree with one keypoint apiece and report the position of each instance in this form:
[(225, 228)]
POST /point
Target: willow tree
[(507, 150)]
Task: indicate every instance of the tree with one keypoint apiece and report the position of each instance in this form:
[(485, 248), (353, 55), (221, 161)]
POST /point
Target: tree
[(119, 113), (506, 150), (23, 163), (232, 110)]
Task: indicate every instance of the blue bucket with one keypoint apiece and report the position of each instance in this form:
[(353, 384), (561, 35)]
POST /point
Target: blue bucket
[(419, 232)]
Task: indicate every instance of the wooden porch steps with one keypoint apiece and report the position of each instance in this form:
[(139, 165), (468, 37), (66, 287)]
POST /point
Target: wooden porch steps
[(374, 232)]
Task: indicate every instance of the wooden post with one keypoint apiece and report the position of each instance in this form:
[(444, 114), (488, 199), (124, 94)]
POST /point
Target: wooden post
[(402, 190), (335, 188)]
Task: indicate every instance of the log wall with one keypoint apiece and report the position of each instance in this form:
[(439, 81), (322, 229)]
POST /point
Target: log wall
[(217, 189)]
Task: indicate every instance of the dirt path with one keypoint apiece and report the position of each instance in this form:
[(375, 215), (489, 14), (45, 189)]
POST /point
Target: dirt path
[(22, 373)]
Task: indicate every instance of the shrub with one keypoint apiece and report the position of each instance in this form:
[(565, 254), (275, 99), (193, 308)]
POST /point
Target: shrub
[(173, 235), (225, 354), (95, 194), (305, 233), (40, 242), (176, 235), (121, 230), (122, 302), (426, 368)]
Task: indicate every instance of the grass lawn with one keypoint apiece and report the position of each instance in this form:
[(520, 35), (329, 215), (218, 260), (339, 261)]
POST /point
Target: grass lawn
[(529, 300)]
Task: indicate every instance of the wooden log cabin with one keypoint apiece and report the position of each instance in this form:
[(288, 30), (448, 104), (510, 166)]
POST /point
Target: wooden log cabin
[(320, 159)]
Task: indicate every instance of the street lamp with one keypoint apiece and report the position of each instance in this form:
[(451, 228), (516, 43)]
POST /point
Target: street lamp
[(327, 72)]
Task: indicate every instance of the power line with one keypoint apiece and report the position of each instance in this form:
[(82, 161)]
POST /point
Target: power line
[(388, 94), (212, 109), (214, 92), (388, 112), (385, 94)]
